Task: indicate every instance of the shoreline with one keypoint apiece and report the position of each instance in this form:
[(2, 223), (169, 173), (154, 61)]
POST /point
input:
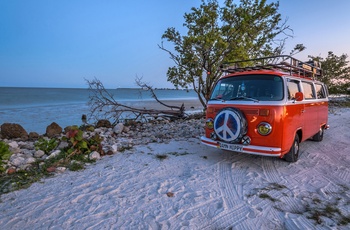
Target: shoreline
[(36, 119)]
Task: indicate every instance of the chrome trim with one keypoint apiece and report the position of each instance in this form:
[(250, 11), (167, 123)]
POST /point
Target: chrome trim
[(233, 103), (211, 143)]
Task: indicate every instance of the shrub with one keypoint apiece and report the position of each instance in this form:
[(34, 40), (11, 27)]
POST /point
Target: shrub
[(79, 145), (5, 154), (46, 145)]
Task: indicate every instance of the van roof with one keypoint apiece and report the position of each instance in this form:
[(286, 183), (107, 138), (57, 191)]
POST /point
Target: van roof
[(281, 65)]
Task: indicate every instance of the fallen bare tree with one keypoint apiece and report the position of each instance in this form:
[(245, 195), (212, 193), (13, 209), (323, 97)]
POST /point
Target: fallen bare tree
[(103, 105)]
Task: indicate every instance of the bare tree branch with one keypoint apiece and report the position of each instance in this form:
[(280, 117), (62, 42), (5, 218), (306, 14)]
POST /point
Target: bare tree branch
[(103, 105)]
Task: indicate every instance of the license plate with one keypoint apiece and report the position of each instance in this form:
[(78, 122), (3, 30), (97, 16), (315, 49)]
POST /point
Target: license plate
[(231, 147)]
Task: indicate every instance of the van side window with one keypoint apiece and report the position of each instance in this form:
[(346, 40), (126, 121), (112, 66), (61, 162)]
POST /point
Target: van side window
[(293, 88), (320, 91), (309, 92)]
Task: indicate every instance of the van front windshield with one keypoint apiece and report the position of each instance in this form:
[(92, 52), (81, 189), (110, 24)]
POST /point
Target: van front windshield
[(249, 87)]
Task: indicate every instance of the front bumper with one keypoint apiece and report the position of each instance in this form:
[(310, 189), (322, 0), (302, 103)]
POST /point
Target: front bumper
[(250, 149)]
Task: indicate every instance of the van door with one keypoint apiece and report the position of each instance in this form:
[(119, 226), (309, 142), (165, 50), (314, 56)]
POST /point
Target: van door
[(310, 112), (294, 117), (321, 94)]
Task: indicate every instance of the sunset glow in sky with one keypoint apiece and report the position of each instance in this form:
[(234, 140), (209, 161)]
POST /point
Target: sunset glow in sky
[(61, 43)]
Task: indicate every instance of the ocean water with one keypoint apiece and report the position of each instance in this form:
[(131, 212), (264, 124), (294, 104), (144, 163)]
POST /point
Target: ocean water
[(36, 108)]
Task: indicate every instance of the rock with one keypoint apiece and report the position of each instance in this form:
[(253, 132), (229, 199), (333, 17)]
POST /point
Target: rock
[(30, 160), (26, 145), (126, 129), (62, 145), (69, 128), (16, 150), (54, 154), (53, 130), (51, 169), (115, 148), (33, 136), (11, 131), (25, 167), (94, 156), (13, 145), (11, 171), (118, 129), (17, 160), (103, 123), (97, 130), (60, 169), (93, 147), (39, 153), (170, 194), (27, 153)]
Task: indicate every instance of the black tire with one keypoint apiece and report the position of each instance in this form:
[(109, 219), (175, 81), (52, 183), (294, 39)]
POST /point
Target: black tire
[(319, 135), (293, 154)]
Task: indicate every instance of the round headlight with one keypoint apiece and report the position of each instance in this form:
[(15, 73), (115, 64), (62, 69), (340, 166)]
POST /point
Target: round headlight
[(209, 123), (264, 128)]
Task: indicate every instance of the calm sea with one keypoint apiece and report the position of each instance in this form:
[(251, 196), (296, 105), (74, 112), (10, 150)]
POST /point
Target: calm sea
[(36, 108)]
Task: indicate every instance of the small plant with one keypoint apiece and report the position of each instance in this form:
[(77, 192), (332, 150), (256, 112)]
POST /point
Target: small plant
[(80, 145), (345, 220), (178, 154), (267, 196), (124, 148), (161, 156), (21, 179), (76, 166), (5, 154), (46, 145), (276, 186)]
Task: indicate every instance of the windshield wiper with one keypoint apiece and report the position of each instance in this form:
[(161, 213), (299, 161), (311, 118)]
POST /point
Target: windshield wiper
[(242, 97)]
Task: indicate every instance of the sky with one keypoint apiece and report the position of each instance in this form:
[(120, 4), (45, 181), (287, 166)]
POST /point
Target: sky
[(61, 43)]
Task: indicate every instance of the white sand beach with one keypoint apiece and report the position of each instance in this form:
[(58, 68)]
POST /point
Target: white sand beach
[(195, 187)]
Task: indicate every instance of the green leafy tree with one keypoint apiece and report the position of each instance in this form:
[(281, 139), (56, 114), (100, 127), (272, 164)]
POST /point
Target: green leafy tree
[(219, 34), (336, 72)]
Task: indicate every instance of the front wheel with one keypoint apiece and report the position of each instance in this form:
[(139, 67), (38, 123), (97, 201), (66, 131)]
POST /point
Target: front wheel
[(293, 154)]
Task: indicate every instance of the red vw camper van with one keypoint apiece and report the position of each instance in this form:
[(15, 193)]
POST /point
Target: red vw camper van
[(267, 106)]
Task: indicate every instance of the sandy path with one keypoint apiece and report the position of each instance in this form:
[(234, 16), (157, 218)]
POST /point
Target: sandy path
[(195, 187)]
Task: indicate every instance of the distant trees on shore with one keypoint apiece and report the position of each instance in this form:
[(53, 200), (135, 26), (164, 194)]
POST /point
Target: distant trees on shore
[(336, 72)]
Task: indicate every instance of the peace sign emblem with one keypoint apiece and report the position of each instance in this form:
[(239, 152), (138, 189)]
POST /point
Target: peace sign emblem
[(227, 125)]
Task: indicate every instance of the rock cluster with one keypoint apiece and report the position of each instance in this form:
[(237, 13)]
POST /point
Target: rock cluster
[(115, 139)]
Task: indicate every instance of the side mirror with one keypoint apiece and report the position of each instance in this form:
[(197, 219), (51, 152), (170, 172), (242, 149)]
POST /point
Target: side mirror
[(299, 96)]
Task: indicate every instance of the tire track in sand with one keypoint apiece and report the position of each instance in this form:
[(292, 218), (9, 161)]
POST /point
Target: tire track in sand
[(271, 173), (231, 185), (229, 182)]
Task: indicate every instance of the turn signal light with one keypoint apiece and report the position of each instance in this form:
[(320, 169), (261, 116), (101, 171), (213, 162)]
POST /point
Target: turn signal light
[(264, 112)]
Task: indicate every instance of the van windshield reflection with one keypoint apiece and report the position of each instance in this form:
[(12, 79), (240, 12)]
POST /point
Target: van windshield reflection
[(249, 87)]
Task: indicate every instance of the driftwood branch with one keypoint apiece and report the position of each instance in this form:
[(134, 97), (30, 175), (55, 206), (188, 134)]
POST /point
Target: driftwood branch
[(103, 105)]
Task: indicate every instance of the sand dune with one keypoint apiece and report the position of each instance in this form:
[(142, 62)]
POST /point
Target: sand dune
[(185, 185)]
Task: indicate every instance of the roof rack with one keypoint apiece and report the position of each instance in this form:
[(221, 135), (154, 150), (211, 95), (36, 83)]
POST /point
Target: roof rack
[(286, 63)]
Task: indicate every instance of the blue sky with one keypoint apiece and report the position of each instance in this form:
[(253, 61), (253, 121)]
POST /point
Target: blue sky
[(60, 43)]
